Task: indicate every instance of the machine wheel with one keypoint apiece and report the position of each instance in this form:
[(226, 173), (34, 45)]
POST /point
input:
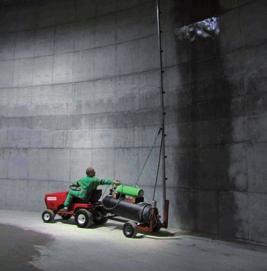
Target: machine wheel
[(83, 218), (99, 216), (130, 229), (66, 217), (48, 216)]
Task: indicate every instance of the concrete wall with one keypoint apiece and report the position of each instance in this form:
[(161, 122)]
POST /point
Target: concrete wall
[(222, 119), (79, 85)]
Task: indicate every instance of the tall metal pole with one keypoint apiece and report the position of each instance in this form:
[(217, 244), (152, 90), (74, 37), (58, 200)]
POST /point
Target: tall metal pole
[(162, 94)]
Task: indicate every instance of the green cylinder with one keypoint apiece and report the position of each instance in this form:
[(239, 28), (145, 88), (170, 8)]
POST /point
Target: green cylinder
[(128, 190)]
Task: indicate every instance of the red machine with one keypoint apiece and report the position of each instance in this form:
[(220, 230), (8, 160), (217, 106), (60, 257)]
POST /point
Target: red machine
[(86, 212)]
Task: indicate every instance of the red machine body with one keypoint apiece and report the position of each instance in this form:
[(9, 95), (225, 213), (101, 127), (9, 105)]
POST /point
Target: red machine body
[(86, 212), (55, 202)]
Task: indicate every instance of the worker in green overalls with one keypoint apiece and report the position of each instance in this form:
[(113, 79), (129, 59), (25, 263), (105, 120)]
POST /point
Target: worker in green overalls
[(82, 187)]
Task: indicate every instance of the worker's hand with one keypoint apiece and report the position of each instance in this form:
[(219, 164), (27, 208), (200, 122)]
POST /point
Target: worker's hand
[(75, 187), (116, 182)]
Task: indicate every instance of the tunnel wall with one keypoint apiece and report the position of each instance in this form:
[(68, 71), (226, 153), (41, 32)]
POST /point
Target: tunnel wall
[(79, 86)]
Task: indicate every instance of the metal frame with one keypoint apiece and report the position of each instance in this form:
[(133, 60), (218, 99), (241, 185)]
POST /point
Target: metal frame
[(163, 114)]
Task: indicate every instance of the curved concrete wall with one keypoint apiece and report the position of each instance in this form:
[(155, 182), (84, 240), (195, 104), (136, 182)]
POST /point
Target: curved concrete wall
[(222, 112), (79, 85)]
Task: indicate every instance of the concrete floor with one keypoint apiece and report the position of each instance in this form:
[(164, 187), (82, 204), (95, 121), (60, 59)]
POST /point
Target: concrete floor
[(29, 244)]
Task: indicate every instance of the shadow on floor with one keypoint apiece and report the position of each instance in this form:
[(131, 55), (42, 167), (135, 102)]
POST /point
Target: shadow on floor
[(18, 248)]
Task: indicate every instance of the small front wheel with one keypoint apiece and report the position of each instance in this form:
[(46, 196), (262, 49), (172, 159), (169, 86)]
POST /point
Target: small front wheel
[(48, 216), (130, 229), (83, 218)]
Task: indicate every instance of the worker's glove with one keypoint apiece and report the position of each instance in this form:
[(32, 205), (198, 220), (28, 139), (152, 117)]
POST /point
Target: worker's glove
[(116, 182)]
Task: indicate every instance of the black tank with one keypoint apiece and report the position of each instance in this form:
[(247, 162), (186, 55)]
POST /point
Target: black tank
[(139, 212)]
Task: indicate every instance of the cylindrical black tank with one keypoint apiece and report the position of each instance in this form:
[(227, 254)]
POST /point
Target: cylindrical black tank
[(139, 212)]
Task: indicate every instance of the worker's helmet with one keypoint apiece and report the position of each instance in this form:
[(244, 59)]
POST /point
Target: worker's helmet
[(90, 172)]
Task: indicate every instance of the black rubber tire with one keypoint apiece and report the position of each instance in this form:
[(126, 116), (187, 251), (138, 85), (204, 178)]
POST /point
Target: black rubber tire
[(130, 229), (83, 218), (99, 216), (48, 216), (66, 217)]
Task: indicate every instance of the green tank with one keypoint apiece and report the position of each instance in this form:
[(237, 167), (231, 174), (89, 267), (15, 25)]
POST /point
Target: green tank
[(128, 190)]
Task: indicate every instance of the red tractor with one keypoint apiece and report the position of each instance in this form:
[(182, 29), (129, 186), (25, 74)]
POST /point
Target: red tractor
[(126, 202), (86, 212)]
